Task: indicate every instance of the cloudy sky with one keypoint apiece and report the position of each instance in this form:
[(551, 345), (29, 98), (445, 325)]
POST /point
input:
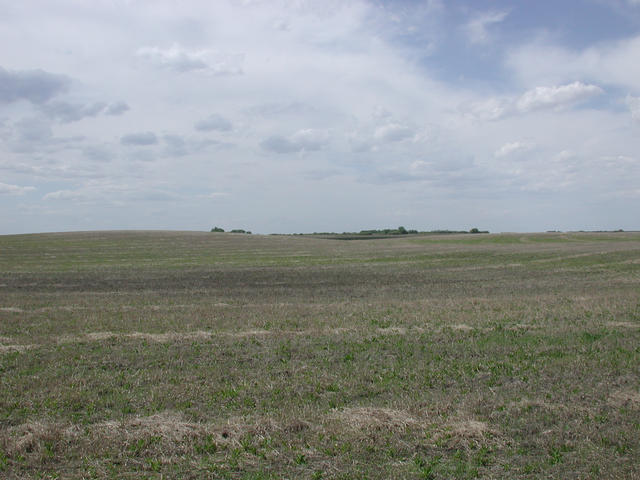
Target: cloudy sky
[(300, 116)]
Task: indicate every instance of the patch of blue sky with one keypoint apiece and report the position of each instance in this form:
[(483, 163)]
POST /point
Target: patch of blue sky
[(465, 43)]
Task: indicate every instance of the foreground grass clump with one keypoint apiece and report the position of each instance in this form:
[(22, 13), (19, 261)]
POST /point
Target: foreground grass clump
[(201, 355)]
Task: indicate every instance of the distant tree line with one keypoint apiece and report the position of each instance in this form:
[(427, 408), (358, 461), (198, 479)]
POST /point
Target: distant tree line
[(388, 231), (236, 230), (394, 231), (367, 233)]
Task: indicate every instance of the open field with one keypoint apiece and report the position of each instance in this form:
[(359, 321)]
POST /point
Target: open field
[(202, 355)]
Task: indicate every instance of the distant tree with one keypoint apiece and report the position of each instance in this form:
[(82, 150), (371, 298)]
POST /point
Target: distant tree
[(217, 229), (474, 230), (402, 231), (240, 230)]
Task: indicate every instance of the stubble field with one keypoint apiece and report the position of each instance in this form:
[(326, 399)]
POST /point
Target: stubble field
[(201, 355)]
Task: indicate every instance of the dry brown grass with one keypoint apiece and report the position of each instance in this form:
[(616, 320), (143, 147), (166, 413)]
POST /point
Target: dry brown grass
[(368, 418), (625, 398)]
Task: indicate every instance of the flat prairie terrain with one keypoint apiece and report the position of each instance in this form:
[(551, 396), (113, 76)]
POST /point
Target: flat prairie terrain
[(202, 355)]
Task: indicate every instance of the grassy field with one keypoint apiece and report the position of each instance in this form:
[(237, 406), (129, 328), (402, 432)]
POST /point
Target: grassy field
[(202, 355)]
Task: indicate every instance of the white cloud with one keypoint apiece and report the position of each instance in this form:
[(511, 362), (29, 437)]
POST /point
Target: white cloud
[(393, 132), (610, 63), (513, 147), (538, 98), (108, 192), (477, 28), (8, 189), (182, 60), (310, 139), (490, 109), (418, 164), (64, 195), (215, 195), (554, 97), (634, 106), (563, 156)]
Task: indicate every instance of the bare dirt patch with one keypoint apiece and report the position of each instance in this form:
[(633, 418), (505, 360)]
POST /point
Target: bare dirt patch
[(11, 309)]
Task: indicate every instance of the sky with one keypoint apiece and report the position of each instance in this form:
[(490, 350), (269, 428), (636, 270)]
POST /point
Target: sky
[(299, 116)]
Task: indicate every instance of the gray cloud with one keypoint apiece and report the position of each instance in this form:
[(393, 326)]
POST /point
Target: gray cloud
[(117, 108), (5, 129), (322, 174), (303, 140), (214, 122), (283, 108), (142, 155), (67, 112), (33, 130), (142, 138), (154, 195), (34, 134), (179, 146), (279, 144), (35, 86), (176, 146), (448, 177), (97, 153)]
